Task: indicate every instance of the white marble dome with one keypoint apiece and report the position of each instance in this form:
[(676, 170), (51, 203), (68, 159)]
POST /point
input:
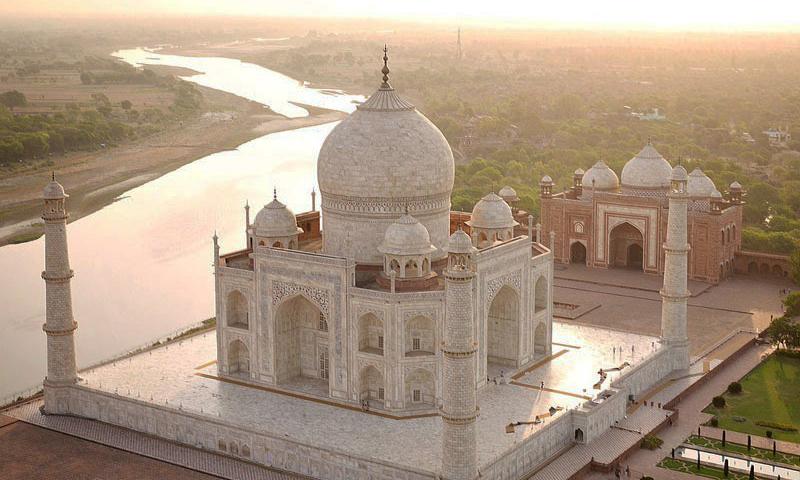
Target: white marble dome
[(648, 169), (275, 220), (406, 236), (700, 185), (54, 191), (600, 177), (384, 158), (492, 212), (459, 242), (508, 194)]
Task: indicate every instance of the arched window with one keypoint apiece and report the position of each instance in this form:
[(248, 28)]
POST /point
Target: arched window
[(370, 334), (277, 245), (722, 236), (412, 270), (238, 357), (236, 311), (540, 294), (578, 227)]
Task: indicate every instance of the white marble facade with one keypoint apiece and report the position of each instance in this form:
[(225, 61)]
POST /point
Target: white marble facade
[(298, 319)]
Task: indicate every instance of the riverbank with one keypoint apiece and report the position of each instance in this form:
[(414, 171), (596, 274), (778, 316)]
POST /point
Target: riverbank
[(96, 179)]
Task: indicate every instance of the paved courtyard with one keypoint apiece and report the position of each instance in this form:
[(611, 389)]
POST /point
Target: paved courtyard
[(629, 301), (170, 376)]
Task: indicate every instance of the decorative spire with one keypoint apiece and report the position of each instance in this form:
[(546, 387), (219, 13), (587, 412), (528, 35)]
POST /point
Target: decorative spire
[(649, 140), (385, 69), (53, 175), (274, 193)]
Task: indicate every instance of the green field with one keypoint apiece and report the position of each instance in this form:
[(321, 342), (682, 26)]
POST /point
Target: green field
[(770, 393)]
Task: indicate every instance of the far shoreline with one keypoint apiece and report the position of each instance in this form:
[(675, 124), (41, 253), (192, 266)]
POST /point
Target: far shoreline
[(97, 179)]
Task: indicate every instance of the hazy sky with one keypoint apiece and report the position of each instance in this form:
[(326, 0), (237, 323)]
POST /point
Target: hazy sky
[(641, 14)]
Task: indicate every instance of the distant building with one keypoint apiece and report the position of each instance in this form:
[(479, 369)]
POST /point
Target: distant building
[(653, 116), (778, 137), (604, 224)]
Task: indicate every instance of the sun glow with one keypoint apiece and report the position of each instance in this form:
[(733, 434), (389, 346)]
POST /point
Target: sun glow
[(609, 14)]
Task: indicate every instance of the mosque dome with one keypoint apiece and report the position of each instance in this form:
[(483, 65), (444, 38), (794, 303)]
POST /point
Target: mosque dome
[(459, 242), (406, 236), (716, 195), (492, 212), (546, 180), (275, 220), (735, 185), (579, 172), (648, 169), (600, 177), (54, 191), (508, 194), (383, 158), (700, 185)]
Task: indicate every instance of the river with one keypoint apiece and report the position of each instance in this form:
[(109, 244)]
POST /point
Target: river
[(143, 264)]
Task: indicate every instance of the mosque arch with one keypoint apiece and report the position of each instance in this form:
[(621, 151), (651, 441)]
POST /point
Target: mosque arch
[(540, 294), (577, 253), (296, 333), (722, 236), (540, 339), (394, 265), (733, 232), (420, 336), (777, 270), (626, 247), (236, 310), (370, 334), (426, 266), (420, 388), (261, 243), (503, 326), (238, 357), (371, 385), (752, 267), (578, 435), (277, 244)]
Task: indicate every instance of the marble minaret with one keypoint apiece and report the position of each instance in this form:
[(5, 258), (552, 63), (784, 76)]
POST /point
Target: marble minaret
[(59, 325), (674, 293), (459, 396)]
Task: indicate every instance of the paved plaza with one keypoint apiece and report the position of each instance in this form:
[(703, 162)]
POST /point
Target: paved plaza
[(180, 375), (629, 301)]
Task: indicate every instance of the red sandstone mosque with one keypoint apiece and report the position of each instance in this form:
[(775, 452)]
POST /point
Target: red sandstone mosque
[(607, 223)]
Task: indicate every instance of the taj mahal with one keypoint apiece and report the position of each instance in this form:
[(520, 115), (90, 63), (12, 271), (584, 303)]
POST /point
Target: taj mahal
[(379, 337)]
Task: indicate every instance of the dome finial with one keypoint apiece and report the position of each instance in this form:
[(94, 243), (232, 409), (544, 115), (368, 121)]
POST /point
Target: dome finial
[(274, 193), (53, 175), (385, 69), (649, 140)]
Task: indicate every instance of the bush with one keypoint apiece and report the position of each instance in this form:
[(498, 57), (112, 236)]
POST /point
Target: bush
[(777, 426), (714, 422), (647, 478), (718, 402), (735, 387), (651, 442), (769, 433)]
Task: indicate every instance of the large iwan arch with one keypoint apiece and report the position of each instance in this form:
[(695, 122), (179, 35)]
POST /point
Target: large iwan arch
[(502, 329)]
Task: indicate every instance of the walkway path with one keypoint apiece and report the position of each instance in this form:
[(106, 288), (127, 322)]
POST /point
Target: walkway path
[(643, 462), (757, 441)]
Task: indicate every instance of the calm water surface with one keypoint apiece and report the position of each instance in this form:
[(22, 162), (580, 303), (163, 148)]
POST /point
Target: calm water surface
[(143, 264)]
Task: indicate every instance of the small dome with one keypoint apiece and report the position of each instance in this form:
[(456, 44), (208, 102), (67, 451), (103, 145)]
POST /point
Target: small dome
[(546, 180), (508, 194), (716, 195), (648, 169), (459, 242), (406, 236), (600, 177), (492, 212), (579, 172), (699, 184), (679, 174), (54, 191), (275, 220), (736, 186)]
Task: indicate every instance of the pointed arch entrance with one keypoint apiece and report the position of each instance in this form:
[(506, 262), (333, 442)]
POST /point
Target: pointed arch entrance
[(299, 341), (238, 358), (503, 327), (626, 247), (577, 253)]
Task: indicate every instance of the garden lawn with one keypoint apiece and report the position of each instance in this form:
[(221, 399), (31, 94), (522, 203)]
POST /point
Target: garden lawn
[(770, 393), (690, 468)]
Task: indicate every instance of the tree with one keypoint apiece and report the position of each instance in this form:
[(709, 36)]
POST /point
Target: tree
[(794, 266), (13, 98), (126, 104), (792, 304)]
